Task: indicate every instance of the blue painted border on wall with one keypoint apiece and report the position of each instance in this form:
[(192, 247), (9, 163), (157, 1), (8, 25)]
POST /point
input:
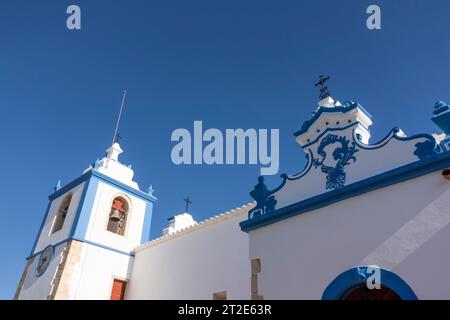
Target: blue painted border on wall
[(406, 172), (297, 176), (70, 186), (321, 110), (41, 228), (84, 241), (105, 178), (82, 219), (351, 277), (123, 186), (393, 135), (149, 199), (83, 214), (147, 222), (103, 246), (79, 227), (332, 129), (60, 192)]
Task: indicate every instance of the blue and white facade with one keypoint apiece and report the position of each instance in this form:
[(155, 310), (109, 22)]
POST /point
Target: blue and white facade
[(358, 207), (86, 256)]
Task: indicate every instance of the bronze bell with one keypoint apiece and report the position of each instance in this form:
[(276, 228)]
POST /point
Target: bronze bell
[(115, 215)]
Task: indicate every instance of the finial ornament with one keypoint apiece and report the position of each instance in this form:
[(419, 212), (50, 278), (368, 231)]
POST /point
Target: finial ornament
[(324, 91), (441, 117), (58, 185), (440, 107), (264, 202), (96, 163)]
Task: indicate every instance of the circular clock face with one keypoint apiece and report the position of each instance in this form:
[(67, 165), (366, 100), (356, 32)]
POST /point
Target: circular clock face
[(44, 260)]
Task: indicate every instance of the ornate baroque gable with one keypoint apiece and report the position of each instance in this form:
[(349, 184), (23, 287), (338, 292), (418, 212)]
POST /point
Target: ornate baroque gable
[(341, 162)]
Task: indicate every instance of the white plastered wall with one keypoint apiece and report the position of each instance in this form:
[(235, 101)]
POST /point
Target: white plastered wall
[(38, 288), (93, 275), (45, 238), (403, 228), (196, 263), (97, 227)]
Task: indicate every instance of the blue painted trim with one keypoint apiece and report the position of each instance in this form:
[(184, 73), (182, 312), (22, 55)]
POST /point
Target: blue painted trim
[(41, 228), (54, 196), (84, 241), (297, 176), (70, 186), (332, 129), (84, 210), (51, 258), (350, 278), (440, 107), (380, 143), (83, 215), (149, 198), (406, 172), (105, 178), (39, 252), (85, 205), (147, 222), (60, 192), (123, 186), (392, 135), (343, 109), (54, 245), (441, 116), (104, 247)]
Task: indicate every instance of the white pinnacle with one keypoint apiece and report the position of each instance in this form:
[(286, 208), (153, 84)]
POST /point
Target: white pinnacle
[(114, 151)]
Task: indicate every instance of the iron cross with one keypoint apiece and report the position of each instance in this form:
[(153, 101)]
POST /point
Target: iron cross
[(188, 202), (117, 138), (324, 92)]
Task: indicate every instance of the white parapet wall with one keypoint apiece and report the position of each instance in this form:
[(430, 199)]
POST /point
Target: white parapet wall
[(194, 263)]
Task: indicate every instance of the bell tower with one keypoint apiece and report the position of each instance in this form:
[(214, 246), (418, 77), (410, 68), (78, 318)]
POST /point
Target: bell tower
[(83, 249)]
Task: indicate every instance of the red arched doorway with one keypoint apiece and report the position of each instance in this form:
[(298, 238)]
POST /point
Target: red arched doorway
[(361, 292)]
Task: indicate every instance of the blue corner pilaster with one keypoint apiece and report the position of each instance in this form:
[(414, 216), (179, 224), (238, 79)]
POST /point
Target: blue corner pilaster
[(41, 228), (147, 222), (84, 211), (148, 216), (58, 185)]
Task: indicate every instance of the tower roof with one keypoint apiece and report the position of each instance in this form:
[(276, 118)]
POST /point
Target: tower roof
[(113, 168)]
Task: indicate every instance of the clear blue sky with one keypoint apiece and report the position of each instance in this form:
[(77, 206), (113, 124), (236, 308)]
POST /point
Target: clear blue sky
[(231, 64)]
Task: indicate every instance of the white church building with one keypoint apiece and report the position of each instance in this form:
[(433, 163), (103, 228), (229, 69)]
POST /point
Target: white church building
[(358, 211)]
